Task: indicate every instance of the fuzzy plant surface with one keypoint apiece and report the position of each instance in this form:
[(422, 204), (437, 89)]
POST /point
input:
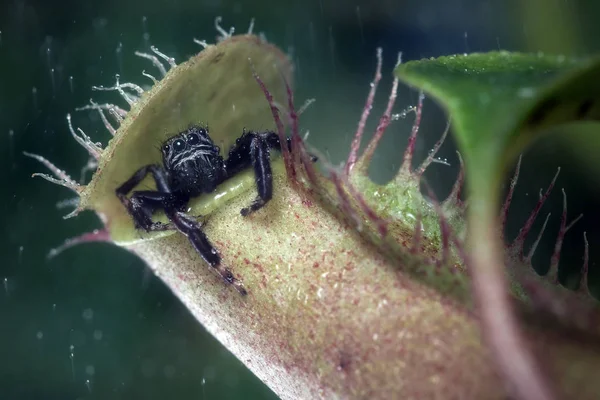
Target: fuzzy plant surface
[(357, 290)]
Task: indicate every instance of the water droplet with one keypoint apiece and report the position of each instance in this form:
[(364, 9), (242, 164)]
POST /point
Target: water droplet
[(39, 335), (34, 95), (148, 368), (53, 81), (71, 83), (90, 370), (72, 357), (526, 92), (98, 334), (11, 148), (146, 35), (119, 52), (169, 371), (332, 47), (88, 314)]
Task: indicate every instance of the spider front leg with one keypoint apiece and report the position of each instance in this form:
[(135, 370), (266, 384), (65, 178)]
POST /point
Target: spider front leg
[(192, 230), (170, 226), (253, 149), (142, 204)]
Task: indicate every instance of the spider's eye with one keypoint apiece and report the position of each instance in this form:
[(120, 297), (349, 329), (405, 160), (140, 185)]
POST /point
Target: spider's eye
[(166, 148), (178, 145), (193, 139)]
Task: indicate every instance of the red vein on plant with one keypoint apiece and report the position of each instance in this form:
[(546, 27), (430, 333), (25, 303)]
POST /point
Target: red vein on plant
[(500, 326), (583, 285), (416, 243), (296, 139), (354, 147), (520, 239), (454, 196), (509, 196), (410, 147), (445, 229), (370, 213), (427, 162), (564, 228), (96, 235), (289, 167), (298, 148), (537, 241), (384, 121), (344, 201)]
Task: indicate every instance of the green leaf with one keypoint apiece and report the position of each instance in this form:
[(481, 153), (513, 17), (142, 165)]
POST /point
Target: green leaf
[(499, 102)]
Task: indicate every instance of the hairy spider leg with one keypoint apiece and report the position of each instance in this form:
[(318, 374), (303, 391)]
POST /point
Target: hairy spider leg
[(190, 227), (253, 149), (192, 230), (142, 204)]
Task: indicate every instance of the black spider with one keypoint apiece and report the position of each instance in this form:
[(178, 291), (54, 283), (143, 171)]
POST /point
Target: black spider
[(192, 166)]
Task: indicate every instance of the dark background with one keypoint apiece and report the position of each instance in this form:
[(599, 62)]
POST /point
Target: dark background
[(94, 323)]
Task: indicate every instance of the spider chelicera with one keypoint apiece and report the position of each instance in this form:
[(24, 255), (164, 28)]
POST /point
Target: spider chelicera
[(192, 166)]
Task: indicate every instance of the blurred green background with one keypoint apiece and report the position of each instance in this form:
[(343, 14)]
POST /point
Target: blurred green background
[(94, 323)]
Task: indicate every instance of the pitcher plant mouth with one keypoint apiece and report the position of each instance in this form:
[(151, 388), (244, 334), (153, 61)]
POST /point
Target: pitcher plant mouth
[(354, 289)]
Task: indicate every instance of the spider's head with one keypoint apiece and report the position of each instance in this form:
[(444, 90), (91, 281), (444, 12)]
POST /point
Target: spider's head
[(192, 160), (186, 146)]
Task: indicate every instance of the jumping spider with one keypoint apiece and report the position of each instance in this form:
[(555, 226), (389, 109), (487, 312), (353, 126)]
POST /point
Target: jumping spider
[(192, 166)]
